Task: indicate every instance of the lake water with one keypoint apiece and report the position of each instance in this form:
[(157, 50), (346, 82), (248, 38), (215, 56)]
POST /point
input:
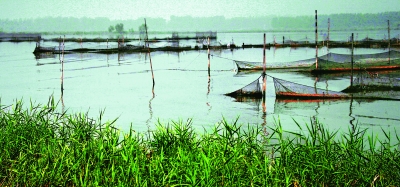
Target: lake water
[(121, 84)]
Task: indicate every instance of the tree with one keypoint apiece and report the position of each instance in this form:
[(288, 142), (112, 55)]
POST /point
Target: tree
[(119, 28), (142, 31), (111, 28), (131, 30)]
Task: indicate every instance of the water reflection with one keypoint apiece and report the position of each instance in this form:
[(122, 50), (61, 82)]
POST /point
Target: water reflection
[(44, 55), (256, 103)]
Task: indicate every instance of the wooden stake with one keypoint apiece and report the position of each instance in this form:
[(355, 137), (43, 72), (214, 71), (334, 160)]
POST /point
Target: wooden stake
[(151, 65), (208, 51), (59, 45), (389, 39), (62, 71), (147, 37), (264, 67), (59, 49), (352, 62), (316, 40), (327, 41)]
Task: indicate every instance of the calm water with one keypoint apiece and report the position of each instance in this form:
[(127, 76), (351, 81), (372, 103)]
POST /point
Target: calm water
[(121, 84)]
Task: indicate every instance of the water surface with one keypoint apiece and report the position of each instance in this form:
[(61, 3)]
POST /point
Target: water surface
[(121, 84)]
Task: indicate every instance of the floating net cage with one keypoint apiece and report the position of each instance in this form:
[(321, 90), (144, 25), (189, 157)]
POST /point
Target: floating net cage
[(248, 65), (333, 61), (87, 47), (288, 89), (254, 89), (370, 82), (343, 58), (363, 88), (107, 47)]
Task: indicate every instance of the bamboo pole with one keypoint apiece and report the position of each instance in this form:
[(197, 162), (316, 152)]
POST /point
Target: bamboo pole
[(264, 67), (208, 52), (352, 60), (59, 49), (389, 38), (62, 70), (151, 65), (147, 37), (316, 40), (327, 41)]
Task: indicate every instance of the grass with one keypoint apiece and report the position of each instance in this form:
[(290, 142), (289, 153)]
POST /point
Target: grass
[(43, 147)]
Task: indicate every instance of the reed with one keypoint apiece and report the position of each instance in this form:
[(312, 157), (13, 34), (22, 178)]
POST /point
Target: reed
[(43, 147)]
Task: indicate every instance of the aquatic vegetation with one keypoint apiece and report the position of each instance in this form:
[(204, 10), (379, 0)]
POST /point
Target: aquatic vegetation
[(41, 146)]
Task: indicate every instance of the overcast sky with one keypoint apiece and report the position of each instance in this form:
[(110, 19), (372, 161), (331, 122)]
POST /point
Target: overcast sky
[(133, 9)]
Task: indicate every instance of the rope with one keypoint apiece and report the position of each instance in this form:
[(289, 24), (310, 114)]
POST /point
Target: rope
[(190, 63), (223, 57)]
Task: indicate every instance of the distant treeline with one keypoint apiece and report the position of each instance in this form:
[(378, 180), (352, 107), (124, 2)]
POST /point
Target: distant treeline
[(217, 23), (339, 22)]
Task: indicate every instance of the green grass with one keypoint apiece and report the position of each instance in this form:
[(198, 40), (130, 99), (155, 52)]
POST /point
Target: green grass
[(43, 147)]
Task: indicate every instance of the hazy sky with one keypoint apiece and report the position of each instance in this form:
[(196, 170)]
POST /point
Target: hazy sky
[(133, 9)]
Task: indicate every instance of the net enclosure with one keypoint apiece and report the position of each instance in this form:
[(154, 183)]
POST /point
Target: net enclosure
[(363, 88), (333, 62), (254, 89), (374, 83), (288, 89)]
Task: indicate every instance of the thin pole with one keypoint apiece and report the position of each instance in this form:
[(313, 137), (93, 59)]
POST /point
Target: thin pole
[(264, 64), (147, 37), (327, 41), (151, 65), (59, 45), (389, 38), (209, 76), (352, 62), (208, 51), (316, 40), (59, 49), (62, 70)]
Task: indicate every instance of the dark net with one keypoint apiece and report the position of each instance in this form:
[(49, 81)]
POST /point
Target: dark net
[(288, 88), (330, 58), (252, 89), (376, 57)]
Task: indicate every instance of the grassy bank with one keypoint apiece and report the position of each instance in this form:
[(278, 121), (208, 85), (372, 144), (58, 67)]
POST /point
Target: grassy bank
[(43, 147)]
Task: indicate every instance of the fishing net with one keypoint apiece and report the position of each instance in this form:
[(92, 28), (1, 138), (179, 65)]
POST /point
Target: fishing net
[(369, 82), (243, 65), (254, 89), (363, 88), (285, 88), (366, 58), (87, 47), (330, 60)]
